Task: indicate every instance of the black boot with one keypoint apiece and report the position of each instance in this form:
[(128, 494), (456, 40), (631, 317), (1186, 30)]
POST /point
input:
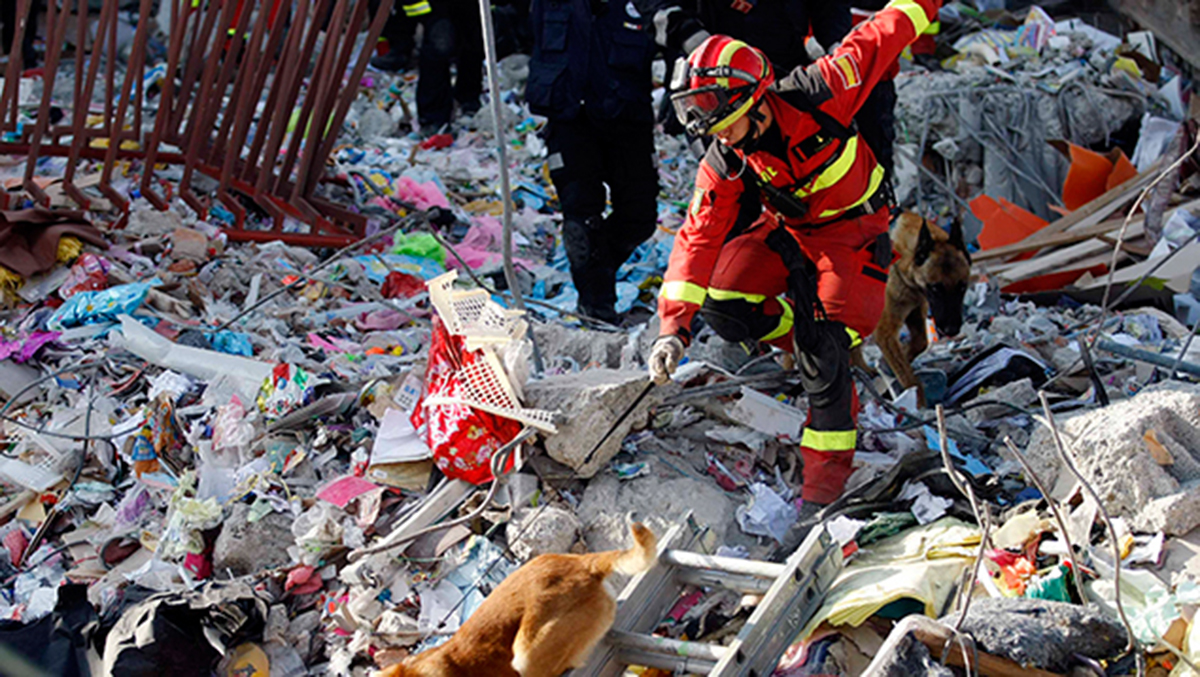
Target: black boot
[(392, 62), (594, 279)]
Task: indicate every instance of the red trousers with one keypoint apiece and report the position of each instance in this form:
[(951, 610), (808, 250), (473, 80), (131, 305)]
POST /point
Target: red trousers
[(746, 300)]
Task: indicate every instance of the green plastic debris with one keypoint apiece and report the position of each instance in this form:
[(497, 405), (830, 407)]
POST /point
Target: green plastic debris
[(1051, 585), (420, 245)]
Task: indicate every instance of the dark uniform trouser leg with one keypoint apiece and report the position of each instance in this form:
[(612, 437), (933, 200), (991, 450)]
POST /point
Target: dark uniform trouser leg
[(435, 102), (468, 33), (584, 157)]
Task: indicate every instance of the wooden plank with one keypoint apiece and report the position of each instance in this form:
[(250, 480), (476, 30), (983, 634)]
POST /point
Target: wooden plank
[(1088, 215), (1061, 257), (1175, 23)]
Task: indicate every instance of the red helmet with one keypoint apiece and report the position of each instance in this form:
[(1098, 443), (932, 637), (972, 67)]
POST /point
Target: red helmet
[(724, 78)]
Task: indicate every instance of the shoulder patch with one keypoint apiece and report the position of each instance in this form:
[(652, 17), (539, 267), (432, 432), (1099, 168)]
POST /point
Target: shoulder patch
[(847, 67)]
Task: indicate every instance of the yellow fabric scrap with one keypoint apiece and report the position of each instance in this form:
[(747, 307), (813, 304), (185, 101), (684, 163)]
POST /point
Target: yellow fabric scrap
[(69, 249), (924, 563)]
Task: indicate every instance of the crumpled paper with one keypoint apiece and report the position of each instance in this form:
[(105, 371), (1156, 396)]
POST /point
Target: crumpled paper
[(767, 514)]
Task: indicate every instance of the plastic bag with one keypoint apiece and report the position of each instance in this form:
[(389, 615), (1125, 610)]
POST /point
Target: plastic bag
[(89, 273), (288, 388), (462, 438), (158, 436), (90, 307)]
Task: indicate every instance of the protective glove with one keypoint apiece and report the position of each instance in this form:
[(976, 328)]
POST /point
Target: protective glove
[(664, 358)]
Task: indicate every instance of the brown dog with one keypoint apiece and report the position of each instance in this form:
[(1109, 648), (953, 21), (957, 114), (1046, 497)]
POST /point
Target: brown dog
[(541, 621), (930, 275)]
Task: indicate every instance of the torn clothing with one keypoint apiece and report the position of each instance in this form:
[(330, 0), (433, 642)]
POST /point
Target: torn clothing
[(29, 237)]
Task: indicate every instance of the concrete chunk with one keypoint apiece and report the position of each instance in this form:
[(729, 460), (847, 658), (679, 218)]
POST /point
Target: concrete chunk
[(592, 403), (1042, 634), (538, 531), (608, 503), (1110, 450)]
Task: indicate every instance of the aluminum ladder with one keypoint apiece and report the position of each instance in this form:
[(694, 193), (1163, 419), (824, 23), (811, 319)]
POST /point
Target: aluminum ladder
[(792, 594)]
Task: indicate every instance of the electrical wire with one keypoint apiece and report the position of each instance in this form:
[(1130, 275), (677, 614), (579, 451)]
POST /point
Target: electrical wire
[(1076, 572), (499, 460), (333, 258), (1132, 646), (1112, 265)]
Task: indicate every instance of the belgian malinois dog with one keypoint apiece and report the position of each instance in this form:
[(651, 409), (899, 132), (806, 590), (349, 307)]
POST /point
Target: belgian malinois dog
[(930, 274)]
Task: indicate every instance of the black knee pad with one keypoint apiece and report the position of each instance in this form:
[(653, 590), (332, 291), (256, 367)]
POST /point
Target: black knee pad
[(823, 357), (732, 320)]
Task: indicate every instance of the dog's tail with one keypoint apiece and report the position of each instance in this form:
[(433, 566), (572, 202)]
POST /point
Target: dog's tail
[(632, 561)]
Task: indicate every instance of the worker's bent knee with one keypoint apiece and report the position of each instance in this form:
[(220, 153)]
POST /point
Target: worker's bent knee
[(733, 320)]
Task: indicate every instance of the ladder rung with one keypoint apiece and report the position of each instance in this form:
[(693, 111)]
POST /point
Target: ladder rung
[(705, 578), (676, 664), (729, 565), (666, 646)]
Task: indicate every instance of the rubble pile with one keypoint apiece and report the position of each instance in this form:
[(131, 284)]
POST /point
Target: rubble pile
[(231, 457)]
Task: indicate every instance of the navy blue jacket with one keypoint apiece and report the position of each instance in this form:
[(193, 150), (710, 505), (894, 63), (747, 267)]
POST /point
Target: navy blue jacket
[(590, 61)]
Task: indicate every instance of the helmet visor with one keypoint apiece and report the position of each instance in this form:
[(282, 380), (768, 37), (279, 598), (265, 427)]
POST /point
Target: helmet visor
[(699, 109)]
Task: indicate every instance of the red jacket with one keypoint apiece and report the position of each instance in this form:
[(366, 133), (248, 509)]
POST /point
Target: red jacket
[(831, 175)]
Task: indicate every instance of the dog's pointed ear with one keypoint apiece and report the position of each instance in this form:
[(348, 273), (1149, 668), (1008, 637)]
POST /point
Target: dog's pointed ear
[(956, 237), (924, 245)]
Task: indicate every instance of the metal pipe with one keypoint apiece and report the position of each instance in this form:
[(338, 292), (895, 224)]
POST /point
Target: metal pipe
[(731, 565), (1148, 357), (510, 272), (666, 645)]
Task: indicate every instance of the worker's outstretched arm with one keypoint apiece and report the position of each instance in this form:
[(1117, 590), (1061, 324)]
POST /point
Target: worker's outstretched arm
[(841, 81), (711, 215)]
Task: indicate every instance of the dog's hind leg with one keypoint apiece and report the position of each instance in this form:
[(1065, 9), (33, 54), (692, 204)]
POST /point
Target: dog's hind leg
[(548, 648)]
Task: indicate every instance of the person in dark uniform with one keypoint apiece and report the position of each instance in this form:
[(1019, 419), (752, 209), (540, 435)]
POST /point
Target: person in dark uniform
[(453, 34), (9, 37), (590, 76)]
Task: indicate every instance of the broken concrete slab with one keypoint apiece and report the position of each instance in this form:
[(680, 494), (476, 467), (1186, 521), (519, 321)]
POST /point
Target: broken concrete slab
[(579, 349), (244, 547), (658, 503), (1042, 634), (1110, 449), (539, 531), (595, 408)]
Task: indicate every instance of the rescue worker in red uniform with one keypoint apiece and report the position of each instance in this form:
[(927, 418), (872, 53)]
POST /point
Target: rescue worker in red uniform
[(810, 224)]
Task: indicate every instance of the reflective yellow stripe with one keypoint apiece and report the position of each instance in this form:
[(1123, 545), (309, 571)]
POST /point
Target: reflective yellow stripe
[(733, 117), (829, 440), (727, 295), (855, 338), (726, 56), (681, 290), (934, 28), (876, 179), (417, 9), (785, 322), (835, 172), (914, 12)]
